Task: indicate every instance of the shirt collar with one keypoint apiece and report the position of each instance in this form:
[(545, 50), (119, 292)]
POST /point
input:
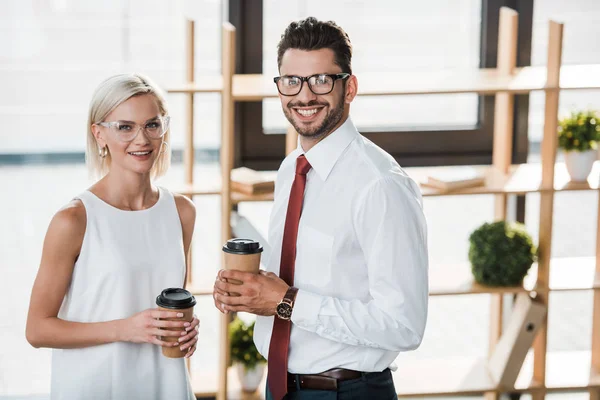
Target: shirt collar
[(323, 156)]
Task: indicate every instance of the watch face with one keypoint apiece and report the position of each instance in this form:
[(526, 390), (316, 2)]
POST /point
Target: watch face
[(284, 311)]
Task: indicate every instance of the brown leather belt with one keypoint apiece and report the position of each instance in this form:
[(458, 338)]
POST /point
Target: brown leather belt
[(327, 380)]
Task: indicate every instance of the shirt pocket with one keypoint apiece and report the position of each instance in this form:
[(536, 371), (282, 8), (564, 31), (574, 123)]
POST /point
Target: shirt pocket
[(314, 258)]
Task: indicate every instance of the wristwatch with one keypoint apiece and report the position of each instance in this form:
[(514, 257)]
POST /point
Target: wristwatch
[(286, 305)]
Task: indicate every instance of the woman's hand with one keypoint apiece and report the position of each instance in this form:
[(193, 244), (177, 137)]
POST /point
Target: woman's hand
[(189, 338), (143, 327)]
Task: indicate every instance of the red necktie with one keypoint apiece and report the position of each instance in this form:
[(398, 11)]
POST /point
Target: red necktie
[(280, 339)]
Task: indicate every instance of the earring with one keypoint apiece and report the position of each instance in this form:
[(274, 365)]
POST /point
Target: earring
[(103, 152), (165, 149)]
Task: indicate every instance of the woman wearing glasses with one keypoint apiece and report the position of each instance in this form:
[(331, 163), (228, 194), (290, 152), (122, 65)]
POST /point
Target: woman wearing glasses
[(110, 252)]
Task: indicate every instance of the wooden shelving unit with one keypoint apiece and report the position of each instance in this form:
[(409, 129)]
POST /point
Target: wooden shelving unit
[(543, 372), (256, 87)]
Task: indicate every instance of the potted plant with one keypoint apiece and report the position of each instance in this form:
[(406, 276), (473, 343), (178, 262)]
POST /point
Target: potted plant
[(501, 253), (578, 135), (249, 364)]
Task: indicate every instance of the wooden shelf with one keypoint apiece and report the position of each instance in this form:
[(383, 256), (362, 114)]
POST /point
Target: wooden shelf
[(572, 77), (205, 84), (457, 279), (565, 371), (237, 197), (522, 179), (566, 274), (197, 190), (255, 87)]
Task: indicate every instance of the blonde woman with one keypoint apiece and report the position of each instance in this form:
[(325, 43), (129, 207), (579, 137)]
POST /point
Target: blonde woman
[(108, 254)]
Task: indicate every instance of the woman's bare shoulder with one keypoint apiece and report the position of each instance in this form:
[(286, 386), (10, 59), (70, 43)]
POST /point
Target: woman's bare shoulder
[(70, 221), (185, 207)]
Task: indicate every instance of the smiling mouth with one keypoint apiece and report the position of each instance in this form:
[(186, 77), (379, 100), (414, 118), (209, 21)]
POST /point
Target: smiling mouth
[(139, 153), (307, 113)]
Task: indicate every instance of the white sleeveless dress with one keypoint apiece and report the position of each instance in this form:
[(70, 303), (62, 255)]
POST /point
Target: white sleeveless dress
[(127, 258)]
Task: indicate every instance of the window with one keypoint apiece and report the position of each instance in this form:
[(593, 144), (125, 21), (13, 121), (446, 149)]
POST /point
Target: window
[(393, 36), (383, 38)]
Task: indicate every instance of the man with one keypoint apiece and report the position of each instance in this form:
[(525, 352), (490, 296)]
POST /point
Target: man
[(346, 288)]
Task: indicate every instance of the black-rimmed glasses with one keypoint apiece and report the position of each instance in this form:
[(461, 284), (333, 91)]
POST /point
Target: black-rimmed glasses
[(290, 85)]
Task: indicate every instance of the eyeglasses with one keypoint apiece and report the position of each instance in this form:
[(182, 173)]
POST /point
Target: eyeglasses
[(290, 85), (126, 131)]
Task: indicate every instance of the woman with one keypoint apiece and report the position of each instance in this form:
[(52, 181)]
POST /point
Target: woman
[(110, 252)]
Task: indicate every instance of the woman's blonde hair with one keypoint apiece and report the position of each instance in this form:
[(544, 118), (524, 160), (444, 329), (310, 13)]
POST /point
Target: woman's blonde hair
[(108, 96)]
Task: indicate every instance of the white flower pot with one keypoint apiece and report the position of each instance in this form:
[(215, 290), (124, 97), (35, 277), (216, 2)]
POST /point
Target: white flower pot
[(250, 379), (580, 163)]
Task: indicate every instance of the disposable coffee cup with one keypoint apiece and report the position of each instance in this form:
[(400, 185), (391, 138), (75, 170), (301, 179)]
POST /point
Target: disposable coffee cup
[(242, 255), (181, 301)]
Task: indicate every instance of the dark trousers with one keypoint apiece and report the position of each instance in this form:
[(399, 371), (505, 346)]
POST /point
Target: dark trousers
[(371, 386)]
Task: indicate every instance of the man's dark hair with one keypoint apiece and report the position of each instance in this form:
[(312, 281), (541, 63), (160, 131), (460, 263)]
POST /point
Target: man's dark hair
[(312, 34)]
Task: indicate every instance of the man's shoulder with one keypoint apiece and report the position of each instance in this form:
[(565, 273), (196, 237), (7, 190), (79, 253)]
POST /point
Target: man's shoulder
[(380, 174), (376, 168), (374, 160)]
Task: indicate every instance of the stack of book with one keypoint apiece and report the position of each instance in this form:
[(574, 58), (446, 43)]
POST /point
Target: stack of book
[(249, 181), (454, 178)]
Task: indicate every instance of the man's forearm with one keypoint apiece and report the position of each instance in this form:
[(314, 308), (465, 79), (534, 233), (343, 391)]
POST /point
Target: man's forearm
[(364, 324)]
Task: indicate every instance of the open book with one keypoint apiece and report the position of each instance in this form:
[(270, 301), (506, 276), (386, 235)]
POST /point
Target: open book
[(249, 181), (455, 178)]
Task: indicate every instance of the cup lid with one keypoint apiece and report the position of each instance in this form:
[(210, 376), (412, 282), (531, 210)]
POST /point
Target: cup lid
[(175, 298), (242, 246)]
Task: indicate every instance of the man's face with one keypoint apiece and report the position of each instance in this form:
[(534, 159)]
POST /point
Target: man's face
[(313, 116)]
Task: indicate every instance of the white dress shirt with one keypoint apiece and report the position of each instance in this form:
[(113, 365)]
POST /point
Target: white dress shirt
[(361, 258)]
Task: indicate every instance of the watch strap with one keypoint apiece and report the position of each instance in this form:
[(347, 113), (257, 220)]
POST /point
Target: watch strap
[(290, 295)]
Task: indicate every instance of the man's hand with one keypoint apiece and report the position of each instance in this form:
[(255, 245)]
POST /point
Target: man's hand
[(258, 294)]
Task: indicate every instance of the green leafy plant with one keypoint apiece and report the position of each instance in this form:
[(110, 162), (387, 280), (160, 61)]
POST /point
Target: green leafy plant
[(501, 253), (580, 131), (242, 345)]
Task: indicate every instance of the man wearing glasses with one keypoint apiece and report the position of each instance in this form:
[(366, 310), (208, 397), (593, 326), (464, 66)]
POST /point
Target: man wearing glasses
[(347, 283)]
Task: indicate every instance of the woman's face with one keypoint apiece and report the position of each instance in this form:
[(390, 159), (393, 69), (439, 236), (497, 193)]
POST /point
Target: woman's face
[(140, 153)]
